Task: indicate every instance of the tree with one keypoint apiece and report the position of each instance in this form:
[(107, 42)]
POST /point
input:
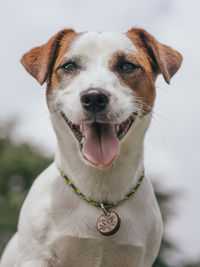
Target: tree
[(194, 264), (19, 166), (165, 201)]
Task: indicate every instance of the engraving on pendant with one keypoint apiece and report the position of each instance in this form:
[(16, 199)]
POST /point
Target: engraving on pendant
[(108, 224)]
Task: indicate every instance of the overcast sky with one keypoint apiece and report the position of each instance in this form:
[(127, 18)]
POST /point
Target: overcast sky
[(172, 143)]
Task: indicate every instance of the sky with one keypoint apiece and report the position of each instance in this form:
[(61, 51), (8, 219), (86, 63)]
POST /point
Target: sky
[(172, 143)]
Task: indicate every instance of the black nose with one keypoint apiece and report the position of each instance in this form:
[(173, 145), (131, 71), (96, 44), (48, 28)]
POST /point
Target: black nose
[(94, 100)]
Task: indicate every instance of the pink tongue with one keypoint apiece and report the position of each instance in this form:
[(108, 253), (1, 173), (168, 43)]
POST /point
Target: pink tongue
[(100, 144)]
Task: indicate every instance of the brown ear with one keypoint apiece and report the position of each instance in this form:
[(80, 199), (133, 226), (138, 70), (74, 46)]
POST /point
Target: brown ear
[(40, 60), (164, 59)]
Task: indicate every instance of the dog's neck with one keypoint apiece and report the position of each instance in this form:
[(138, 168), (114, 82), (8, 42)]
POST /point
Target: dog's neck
[(110, 183)]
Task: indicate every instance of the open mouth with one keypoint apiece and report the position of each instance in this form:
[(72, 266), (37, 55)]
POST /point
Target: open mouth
[(99, 141)]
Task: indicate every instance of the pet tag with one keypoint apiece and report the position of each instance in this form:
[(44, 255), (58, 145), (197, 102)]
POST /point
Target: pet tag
[(108, 223)]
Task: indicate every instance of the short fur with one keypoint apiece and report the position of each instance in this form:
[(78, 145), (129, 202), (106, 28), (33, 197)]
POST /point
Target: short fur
[(57, 228)]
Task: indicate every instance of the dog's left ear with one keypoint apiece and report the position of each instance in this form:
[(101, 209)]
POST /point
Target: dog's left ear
[(163, 58), (40, 60)]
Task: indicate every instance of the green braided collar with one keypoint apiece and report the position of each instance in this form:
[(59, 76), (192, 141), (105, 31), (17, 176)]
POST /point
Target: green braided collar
[(105, 204)]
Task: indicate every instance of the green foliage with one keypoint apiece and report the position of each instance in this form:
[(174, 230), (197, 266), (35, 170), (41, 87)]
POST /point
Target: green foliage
[(195, 264), (165, 201), (19, 166), (19, 162)]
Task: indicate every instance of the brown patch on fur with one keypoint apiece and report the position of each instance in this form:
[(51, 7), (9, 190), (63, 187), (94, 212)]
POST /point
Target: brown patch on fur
[(58, 74), (40, 61), (140, 80), (152, 58)]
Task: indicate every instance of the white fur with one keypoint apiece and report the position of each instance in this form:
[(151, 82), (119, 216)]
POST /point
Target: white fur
[(57, 228), (94, 51)]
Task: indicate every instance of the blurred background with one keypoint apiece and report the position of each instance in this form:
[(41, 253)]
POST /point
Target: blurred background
[(172, 161)]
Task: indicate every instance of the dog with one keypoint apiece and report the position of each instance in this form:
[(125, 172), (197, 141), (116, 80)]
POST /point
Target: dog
[(93, 206)]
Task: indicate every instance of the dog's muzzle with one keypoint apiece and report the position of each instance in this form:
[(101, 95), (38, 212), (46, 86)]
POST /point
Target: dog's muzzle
[(99, 137)]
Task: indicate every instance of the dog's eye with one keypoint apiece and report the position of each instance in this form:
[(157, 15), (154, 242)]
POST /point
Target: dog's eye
[(127, 67), (69, 67)]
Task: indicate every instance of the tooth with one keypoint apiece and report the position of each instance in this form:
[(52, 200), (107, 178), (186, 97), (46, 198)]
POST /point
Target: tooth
[(116, 128), (81, 128)]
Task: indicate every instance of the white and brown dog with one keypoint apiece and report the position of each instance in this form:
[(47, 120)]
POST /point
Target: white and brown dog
[(100, 94)]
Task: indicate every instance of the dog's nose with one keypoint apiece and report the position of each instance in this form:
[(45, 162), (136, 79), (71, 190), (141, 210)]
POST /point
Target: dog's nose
[(94, 99)]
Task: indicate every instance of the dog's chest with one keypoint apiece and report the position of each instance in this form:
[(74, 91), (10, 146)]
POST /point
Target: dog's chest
[(77, 241), (77, 251)]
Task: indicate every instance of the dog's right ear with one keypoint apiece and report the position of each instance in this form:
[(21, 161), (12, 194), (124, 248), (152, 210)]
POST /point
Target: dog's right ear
[(40, 60)]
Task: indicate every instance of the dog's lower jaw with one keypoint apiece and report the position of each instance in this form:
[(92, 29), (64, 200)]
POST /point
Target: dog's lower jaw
[(110, 183)]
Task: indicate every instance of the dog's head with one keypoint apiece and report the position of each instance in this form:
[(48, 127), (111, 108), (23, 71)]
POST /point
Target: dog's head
[(99, 84)]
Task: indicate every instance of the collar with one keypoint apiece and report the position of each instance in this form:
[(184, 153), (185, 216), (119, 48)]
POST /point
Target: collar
[(104, 204)]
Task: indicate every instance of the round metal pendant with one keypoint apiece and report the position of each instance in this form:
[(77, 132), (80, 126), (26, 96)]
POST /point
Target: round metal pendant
[(108, 223)]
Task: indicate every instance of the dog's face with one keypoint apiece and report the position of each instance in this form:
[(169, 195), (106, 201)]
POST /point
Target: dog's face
[(100, 84)]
